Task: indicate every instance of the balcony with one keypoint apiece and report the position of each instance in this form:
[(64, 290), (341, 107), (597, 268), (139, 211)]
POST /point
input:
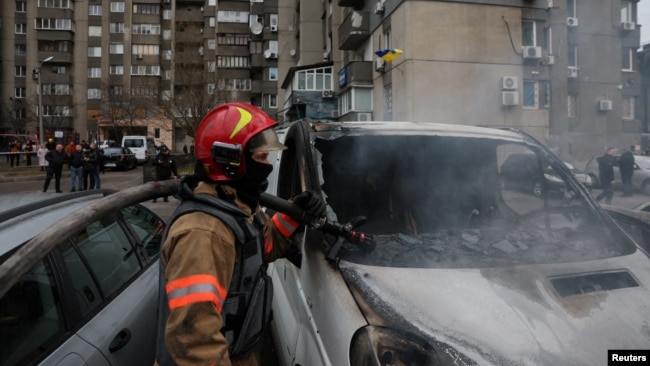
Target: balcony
[(357, 4), (354, 30), (355, 73)]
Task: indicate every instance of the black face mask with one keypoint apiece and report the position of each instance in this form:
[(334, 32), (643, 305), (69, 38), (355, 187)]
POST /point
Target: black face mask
[(254, 182)]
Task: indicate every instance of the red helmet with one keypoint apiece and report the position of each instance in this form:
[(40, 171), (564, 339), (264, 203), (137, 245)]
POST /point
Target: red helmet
[(225, 132)]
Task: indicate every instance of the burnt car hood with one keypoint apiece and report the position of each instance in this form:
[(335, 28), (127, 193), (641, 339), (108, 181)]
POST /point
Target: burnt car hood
[(548, 314)]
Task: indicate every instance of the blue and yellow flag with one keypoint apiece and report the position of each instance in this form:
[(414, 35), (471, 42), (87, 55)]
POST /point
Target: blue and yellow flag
[(389, 54)]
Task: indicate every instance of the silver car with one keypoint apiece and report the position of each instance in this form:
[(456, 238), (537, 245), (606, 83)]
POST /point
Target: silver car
[(426, 260), (92, 300)]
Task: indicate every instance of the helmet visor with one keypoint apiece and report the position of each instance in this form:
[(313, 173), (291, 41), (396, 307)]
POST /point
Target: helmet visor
[(266, 140)]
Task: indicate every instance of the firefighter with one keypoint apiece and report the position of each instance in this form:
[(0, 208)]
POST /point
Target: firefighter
[(215, 294)]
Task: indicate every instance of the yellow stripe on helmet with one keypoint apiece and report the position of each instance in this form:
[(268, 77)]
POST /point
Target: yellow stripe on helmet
[(245, 118)]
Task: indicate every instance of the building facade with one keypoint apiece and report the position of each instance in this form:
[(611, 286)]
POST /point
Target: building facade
[(565, 71), (151, 67)]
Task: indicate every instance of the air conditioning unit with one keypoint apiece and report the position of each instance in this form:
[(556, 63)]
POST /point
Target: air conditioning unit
[(573, 71), (364, 117), (628, 26), (509, 98), (532, 52), (380, 65), (138, 57), (379, 7), (572, 21), (270, 54), (550, 60), (274, 28), (509, 82), (328, 93), (605, 105)]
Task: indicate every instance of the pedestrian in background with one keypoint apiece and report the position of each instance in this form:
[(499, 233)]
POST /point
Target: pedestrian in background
[(42, 150), (90, 159), (77, 169), (56, 158), (165, 167), (606, 174), (99, 166), (185, 149), (626, 167), (15, 147), (29, 150)]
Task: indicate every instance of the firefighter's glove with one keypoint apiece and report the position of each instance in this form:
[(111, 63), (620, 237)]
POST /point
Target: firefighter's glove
[(311, 203)]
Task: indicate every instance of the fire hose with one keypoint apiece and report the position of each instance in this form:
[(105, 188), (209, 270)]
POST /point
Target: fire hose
[(346, 231)]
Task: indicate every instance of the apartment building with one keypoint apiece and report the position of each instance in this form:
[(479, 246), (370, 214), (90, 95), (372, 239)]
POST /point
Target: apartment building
[(152, 67), (565, 71)]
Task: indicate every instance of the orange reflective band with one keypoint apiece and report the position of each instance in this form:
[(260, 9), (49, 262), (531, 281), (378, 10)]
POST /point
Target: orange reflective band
[(193, 289), (268, 245), (285, 224)]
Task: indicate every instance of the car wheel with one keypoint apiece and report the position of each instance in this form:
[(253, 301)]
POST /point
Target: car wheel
[(645, 187), (538, 188)]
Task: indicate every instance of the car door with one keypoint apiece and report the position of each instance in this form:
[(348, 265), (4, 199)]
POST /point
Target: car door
[(116, 292)]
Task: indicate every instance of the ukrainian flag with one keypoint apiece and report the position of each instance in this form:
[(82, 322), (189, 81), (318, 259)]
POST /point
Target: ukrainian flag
[(389, 54)]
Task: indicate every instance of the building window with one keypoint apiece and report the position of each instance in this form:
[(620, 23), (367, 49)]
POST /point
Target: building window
[(571, 9), (145, 70), (21, 7), (20, 71), (235, 84), (528, 33), (116, 48), (94, 72), (531, 94), (94, 31), (94, 10), (117, 7), (59, 70), (167, 55), (146, 9), (212, 22), (156, 133), (233, 61), (54, 4), (230, 16), (626, 12), (211, 44), (20, 92), (167, 14), (212, 66), (272, 101), (628, 107), (145, 49), (233, 39), (94, 93), (56, 89), (117, 28), (21, 28), (211, 88), (572, 105), (356, 100), (628, 59), (146, 29), (116, 70), (315, 79), (572, 57), (116, 90), (20, 49), (273, 73), (53, 24)]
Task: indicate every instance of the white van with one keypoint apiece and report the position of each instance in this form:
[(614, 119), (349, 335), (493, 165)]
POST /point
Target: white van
[(143, 147)]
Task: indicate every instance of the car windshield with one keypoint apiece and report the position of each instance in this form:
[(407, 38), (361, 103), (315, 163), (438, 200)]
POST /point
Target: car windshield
[(432, 201), (642, 162)]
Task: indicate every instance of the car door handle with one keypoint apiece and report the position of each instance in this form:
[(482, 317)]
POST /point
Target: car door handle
[(120, 340)]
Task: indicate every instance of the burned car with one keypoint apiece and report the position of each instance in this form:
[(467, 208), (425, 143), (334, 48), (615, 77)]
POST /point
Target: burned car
[(435, 263)]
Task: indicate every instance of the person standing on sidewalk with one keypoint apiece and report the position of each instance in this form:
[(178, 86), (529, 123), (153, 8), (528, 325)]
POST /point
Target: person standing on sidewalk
[(99, 164), (90, 159), (626, 167), (606, 174), (56, 158), (76, 169), (165, 167), (42, 150), (15, 148)]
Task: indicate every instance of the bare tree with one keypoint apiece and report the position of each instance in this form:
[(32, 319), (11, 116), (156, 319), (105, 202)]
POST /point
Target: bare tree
[(16, 114)]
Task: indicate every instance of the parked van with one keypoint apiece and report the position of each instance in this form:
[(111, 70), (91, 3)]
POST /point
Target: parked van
[(143, 147)]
